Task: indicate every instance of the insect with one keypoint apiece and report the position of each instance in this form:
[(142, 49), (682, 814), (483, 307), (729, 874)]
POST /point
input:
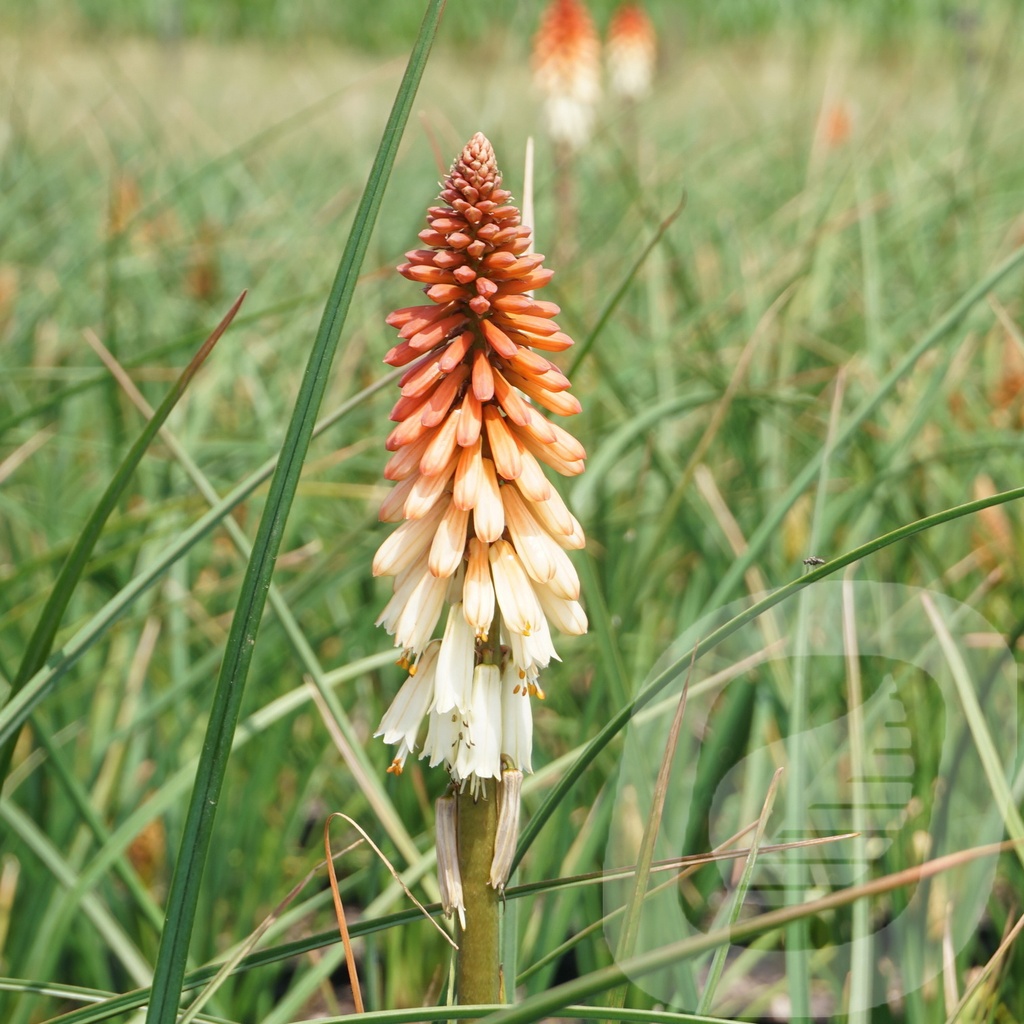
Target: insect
[(814, 560)]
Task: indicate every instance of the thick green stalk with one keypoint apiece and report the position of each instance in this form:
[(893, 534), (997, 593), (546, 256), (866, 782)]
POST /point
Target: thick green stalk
[(478, 967)]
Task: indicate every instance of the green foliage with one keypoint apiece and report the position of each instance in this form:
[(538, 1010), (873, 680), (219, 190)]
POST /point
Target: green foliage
[(839, 204)]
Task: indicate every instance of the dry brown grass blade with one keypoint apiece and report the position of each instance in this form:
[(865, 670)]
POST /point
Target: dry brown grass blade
[(985, 974), (246, 947), (339, 908), (339, 911), (24, 452)]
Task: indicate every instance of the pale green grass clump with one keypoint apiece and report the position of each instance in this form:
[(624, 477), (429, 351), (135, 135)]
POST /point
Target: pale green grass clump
[(807, 263)]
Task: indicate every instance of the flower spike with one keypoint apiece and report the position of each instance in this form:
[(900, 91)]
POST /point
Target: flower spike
[(567, 71), (631, 52), (481, 527)]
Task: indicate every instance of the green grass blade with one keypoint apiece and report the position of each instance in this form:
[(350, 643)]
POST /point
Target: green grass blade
[(619, 720), (184, 893), (736, 901), (769, 526), (18, 708), (41, 641), (991, 762)]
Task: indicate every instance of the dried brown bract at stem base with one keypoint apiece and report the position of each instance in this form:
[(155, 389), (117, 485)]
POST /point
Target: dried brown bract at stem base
[(509, 802)]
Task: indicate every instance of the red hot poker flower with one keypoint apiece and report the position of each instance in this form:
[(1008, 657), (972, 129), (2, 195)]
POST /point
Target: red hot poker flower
[(481, 526), (631, 52), (567, 70)]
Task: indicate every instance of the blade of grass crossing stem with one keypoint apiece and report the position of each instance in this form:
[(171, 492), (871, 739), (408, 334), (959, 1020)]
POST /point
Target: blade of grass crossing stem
[(770, 524), (370, 924), (736, 903), (41, 641), (184, 893), (619, 720)]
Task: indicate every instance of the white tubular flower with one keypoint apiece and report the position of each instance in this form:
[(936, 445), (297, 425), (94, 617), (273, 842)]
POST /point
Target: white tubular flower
[(454, 686), (402, 721), (516, 720), (444, 735), (532, 653), (413, 611), (480, 758), (407, 544)]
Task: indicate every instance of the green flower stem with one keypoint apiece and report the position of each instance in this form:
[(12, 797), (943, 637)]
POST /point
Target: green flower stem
[(478, 967)]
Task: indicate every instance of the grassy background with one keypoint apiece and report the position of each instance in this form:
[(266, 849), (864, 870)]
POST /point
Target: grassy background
[(392, 21), (150, 171)]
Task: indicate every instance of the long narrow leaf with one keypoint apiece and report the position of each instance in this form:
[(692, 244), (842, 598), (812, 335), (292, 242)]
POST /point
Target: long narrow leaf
[(619, 720), (18, 708), (184, 892), (41, 642)]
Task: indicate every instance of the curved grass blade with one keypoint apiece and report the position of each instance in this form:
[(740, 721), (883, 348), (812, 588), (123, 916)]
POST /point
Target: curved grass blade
[(41, 642), (551, 1002), (768, 529), (619, 720), (14, 713), (184, 892), (770, 524)]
